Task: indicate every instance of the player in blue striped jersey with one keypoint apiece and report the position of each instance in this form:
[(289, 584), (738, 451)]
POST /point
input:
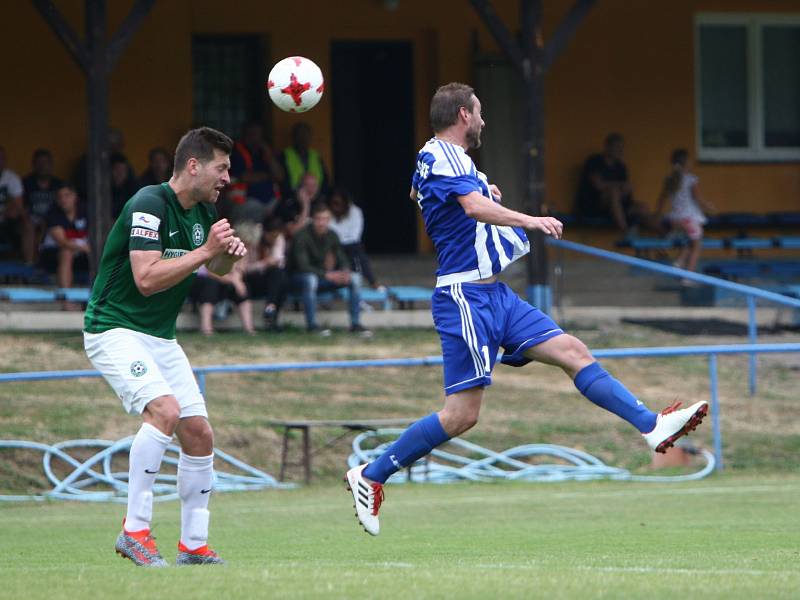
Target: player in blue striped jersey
[(476, 238)]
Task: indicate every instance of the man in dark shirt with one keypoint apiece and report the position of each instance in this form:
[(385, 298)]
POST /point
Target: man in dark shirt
[(605, 188), (65, 249), (318, 264), (41, 188)]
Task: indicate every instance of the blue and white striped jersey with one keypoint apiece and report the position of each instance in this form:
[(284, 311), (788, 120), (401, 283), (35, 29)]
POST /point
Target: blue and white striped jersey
[(467, 249)]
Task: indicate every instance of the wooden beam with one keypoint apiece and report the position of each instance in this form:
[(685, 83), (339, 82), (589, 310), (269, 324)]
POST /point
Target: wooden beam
[(498, 29), (98, 175), (126, 31), (566, 31), (63, 31)]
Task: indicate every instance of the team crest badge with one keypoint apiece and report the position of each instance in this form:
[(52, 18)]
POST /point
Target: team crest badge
[(197, 234), (138, 368)]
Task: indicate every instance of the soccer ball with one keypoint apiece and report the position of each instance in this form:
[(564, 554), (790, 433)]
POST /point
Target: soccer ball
[(295, 84)]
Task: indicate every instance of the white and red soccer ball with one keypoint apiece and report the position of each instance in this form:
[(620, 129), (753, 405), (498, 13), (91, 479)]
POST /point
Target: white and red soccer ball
[(295, 84)]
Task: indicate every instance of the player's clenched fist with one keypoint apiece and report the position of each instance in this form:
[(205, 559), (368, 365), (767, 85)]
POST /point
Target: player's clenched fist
[(549, 225), (220, 237), (236, 248)]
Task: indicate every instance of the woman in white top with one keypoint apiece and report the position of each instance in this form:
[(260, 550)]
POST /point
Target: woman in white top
[(348, 224), (686, 212)]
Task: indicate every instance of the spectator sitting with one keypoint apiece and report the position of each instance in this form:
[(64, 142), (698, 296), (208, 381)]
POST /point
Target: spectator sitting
[(255, 175), (686, 212), (208, 289), (318, 264), (348, 224), (116, 146), (605, 190), (265, 271), (65, 248), (300, 159), (41, 188), (159, 168), (15, 223), (123, 185), (294, 210)]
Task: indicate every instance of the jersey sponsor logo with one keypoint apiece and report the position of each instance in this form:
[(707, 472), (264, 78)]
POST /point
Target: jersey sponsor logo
[(138, 368), (173, 252), (144, 233), (198, 235), (148, 221)]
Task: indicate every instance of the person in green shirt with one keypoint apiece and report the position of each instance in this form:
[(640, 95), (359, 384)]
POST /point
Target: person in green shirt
[(318, 264), (164, 234)]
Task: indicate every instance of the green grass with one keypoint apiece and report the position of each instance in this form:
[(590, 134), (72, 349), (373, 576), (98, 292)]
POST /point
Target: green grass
[(732, 536)]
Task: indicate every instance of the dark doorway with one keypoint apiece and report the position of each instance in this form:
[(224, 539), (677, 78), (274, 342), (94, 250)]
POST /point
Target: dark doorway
[(373, 138)]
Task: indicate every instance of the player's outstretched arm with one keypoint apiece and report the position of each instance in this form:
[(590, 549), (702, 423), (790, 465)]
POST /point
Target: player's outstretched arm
[(483, 209), (152, 274)]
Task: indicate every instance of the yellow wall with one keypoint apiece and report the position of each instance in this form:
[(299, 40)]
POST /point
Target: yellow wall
[(630, 69)]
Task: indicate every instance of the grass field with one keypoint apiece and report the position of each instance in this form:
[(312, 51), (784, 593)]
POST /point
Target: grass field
[(733, 536)]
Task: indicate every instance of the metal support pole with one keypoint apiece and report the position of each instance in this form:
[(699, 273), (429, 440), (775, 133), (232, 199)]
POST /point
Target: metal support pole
[(752, 334), (715, 424), (201, 383)]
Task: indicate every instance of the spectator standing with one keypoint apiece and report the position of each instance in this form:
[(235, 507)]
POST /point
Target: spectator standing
[(123, 185), (687, 206), (16, 228), (256, 175), (65, 248), (318, 264), (41, 188), (159, 168), (605, 189), (301, 159), (348, 224)]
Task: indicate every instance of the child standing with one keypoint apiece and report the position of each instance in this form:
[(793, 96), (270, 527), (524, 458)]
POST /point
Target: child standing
[(687, 211)]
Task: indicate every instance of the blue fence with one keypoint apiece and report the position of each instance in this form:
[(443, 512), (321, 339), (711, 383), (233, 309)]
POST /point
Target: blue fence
[(752, 294), (712, 352)]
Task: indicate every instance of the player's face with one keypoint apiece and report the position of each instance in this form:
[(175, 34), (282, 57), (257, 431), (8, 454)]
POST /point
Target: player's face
[(212, 177), (474, 125)]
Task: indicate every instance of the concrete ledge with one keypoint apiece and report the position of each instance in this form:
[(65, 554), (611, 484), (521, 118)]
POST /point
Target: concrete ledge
[(73, 321)]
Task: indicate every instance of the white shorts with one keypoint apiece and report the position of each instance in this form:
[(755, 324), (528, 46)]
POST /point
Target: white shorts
[(141, 367)]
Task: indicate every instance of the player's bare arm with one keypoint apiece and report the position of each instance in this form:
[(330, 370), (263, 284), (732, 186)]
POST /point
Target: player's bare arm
[(152, 274), (481, 208), (222, 264)]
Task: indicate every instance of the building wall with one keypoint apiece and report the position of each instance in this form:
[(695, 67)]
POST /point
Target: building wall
[(630, 68)]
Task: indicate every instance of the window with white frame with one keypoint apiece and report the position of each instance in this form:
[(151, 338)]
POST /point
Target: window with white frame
[(748, 86)]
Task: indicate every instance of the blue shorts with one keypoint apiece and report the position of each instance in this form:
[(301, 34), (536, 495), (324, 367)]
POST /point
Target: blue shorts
[(474, 320)]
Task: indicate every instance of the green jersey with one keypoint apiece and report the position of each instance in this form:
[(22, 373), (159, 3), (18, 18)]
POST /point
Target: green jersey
[(152, 219)]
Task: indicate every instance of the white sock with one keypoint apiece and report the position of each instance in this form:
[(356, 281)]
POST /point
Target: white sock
[(195, 481), (146, 452)]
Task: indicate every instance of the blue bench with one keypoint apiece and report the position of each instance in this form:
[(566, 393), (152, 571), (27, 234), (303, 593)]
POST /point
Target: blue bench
[(407, 295), (79, 295), (27, 294), (13, 269), (788, 242)]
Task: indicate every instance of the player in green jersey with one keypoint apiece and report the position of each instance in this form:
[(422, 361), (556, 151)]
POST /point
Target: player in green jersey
[(164, 234)]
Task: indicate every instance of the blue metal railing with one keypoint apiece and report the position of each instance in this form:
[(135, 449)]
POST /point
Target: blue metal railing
[(751, 293), (612, 353)]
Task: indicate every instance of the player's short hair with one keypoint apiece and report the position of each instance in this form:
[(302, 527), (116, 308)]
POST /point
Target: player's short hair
[(446, 103), (200, 143)]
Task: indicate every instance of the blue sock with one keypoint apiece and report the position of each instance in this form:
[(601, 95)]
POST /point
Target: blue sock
[(415, 442), (597, 385)]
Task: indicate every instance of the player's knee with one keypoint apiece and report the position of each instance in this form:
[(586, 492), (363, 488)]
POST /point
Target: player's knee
[(164, 414), (456, 422), (576, 355)]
